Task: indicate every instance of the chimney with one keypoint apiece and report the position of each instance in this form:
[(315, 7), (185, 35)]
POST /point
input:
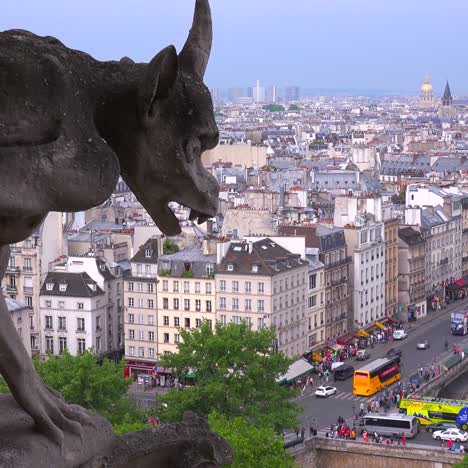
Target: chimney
[(205, 247), (209, 227), (250, 246)]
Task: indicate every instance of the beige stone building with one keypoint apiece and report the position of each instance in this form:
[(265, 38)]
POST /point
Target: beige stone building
[(391, 224), (140, 309), (264, 284), (186, 294)]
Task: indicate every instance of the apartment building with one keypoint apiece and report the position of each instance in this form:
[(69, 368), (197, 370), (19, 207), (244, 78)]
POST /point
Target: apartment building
[(73, 314), (27, 268), (391, 225), (140, 307), (264, 284), (186, 294), (411, 274), (315, 300)]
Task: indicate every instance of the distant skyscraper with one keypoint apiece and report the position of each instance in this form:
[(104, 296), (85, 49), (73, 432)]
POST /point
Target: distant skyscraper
[(259, 93), (216, 96), (270, 94), (235, 93), (446, 109), (250, 92), (292, 93), (426, 97)]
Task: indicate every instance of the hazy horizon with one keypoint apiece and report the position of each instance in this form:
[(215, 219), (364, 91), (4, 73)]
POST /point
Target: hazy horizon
[(321, 44)]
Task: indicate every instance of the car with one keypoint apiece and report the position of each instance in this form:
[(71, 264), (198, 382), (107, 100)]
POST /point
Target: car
[(399, 335), (442, 426), (343, 372), (324, 392), (362, 355), (423, 344), (393, 352), (456, 435)]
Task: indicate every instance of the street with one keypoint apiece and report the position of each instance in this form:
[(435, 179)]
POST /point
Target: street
[(322, 412)]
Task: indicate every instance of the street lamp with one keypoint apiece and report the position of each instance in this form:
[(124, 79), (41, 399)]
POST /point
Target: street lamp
[(354, 413)]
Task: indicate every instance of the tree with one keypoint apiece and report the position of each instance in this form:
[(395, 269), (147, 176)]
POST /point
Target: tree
[(462, 464), (235, 374), (170, 247), (252, 446), (294, 107), (274, 108)]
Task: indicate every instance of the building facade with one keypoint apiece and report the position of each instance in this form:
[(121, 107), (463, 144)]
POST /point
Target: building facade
[(391, 224)]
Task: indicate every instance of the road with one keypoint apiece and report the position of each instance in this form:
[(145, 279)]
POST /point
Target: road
[(436, 327)]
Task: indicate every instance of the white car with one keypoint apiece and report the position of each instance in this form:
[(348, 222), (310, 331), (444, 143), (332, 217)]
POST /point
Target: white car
[(325, 392), (399, 334), (451, 434)]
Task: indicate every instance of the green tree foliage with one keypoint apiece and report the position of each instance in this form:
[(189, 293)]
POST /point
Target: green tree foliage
[(170, 247), (462, 464), (253, 447), (236, 371), (274, 108), (294, 107)]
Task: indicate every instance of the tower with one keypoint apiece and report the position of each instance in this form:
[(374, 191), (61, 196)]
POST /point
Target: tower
[(446, 109), (426, 97)]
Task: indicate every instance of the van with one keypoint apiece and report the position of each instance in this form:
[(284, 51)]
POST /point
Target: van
[(343, 372), (399, 334), (362, 355)]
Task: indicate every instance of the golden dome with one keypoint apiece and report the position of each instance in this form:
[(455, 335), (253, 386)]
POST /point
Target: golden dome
[(426, 87)]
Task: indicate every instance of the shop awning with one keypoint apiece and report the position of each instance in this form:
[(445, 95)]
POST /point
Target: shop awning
[(335, 347), (380, 325), (391, 320), (451, 361), (297, 369), (363, 334), (316, 357), (345, 339)]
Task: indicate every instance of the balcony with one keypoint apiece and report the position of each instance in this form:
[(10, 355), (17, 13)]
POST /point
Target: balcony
[(28, 289), (344, 261), (13, 269), (28, 269), (11, 288)]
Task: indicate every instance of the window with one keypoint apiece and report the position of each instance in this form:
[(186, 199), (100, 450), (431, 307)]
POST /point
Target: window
[(312, 301), (150, 319), (28, 300), (48, 304), (165, 303), (141, 350), (61, 305), (176, 322), (147, 253), (207, 288), (222, 319), (222, 302), (208, 306), (49, 344), (150, 336), (131, 318), (230, 267), (209, 269), (210, 323), (62, 345), (131, 302), (175, 286), (248, 287), (235, 319), (260, 305), (187, 287), (166, 320), (261, 288), (48, 322), (197, 287), (150, 288), (197, 305), (151, 352), (147, 270), (176, 338), (140, 287), (312, 281), (254, 268), (165, 286), (260, 323), (187, 322), (130, 286), (62, 323), (186, 304), (131, 349), (248, 304), (131, 334), (63, 287), (222, 285), (140, 303), (235, 286), (166, 337), (176, 304), (235, 304), (49, 286), (150, 304), (198, 323), (80, 324)]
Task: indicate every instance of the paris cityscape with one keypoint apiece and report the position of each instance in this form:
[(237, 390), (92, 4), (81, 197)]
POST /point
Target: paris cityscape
[(318, 315)]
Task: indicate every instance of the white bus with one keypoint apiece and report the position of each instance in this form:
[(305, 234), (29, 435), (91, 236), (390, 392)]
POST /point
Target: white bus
[(391, 423)]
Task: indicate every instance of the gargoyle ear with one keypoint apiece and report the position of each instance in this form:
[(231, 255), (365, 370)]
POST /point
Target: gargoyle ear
[(159, 79)]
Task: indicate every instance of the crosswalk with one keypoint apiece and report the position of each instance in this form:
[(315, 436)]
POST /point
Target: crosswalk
[(343, 396)]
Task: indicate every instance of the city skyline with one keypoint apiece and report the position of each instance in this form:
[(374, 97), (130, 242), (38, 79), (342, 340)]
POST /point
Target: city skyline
[(325, 45)]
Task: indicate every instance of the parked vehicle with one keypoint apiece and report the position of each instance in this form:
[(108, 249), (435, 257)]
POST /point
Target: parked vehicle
[(423, 344), (362, 355), (443, 426), (451, 434), (343, 372), (391, 423), (325, 392), (459, 323), (399, 335), (392, 352)]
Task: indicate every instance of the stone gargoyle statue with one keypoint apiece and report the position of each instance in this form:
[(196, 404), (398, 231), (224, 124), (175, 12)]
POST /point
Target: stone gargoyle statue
[(69, 125)]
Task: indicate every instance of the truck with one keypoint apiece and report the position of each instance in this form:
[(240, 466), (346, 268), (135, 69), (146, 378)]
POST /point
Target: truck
[(459, 323)]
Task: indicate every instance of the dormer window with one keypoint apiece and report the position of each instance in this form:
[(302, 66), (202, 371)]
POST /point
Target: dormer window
[(49, 286), (63, 287), (230, 267), (92, 286), (254, 268), (148, 253)]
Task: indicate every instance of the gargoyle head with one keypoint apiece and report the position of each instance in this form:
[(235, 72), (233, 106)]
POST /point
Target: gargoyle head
[(175, 124)]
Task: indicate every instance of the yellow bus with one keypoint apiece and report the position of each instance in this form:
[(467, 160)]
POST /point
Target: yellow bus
[(376, 375), (433, 410)]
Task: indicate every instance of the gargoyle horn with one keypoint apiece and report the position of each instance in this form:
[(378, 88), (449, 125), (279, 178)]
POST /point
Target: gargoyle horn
[(196, 52)]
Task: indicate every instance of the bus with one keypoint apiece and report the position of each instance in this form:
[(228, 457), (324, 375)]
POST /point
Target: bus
[(391, 423), (433, 410), (376, 375)]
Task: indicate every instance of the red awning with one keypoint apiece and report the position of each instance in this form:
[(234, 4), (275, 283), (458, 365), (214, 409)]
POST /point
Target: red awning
[(391, 320), (460, 282), (345, 339)]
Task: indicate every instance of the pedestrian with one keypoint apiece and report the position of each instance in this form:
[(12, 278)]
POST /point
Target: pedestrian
[(302, 433), (311, 431), (403, 439), (462, 448), (297, 432), (361, 409)]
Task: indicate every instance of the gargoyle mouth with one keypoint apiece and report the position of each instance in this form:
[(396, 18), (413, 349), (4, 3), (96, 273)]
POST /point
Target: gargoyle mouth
[(169, 223), (194, 214)]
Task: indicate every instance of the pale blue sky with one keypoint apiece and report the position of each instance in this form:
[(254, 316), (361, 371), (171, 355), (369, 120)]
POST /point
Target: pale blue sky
[(371, 44)]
